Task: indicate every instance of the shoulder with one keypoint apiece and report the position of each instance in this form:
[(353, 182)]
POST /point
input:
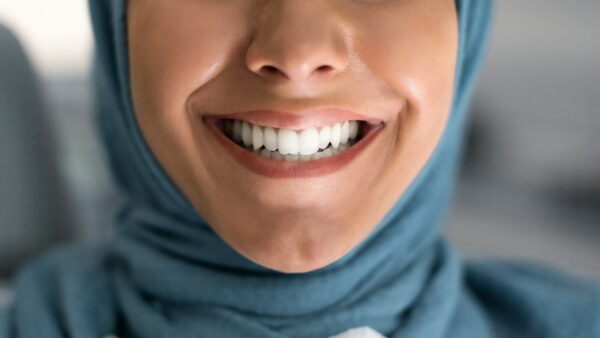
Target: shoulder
[(63, 269), (62, 266), (540, 300), (58, 285)]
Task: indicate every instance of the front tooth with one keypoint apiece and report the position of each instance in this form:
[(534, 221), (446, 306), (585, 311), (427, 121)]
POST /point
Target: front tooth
[(308, 141), (345, 132), (270, 139), (287, 142), (257, 137), (353, 129), (336, 135), (246, 134), (324, 137), (237, 130)]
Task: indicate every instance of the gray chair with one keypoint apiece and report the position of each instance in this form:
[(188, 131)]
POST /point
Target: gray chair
[(33, 202)]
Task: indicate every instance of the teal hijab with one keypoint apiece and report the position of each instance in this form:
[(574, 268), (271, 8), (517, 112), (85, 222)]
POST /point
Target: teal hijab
[(166, 274)]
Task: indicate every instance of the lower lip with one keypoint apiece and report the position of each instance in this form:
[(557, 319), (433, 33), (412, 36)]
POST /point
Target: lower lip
[(286, 169)]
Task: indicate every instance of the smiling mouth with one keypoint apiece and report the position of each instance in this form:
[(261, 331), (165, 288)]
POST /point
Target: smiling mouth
[(294, 145), (293, 153)]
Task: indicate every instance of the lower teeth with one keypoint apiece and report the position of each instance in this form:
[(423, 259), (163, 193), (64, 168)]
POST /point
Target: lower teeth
[(323, 153)]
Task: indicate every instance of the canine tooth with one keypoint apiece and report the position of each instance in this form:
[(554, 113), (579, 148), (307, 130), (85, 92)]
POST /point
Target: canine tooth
[(353, 129), (270, 138), (308, 141), (246, 134), (287, 141), (336, 135), (345, 132), (324, 137), (257, 137), (237, 130)]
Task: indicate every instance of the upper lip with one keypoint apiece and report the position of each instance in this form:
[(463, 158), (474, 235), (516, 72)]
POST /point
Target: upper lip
[(297, 120)]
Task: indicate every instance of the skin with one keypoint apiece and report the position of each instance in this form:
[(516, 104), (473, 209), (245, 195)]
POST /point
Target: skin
[(392, 60)]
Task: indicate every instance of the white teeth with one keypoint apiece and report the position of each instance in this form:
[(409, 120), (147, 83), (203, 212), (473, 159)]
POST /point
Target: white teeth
[(270, 139), (308, 141), (291, 145), (345, 132), (336, 135), (287, 142), (257, 137), (324, 137), (246, 134)]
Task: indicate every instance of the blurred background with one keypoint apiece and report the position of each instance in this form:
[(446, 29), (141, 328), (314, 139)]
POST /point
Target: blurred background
[(530, 186)]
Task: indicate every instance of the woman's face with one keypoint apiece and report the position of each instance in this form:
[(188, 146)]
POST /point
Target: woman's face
[(344, 101)]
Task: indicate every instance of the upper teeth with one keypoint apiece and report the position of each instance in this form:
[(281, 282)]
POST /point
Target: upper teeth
[(287, 141)]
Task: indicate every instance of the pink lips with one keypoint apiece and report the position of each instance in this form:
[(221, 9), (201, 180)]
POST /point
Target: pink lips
[(313, 119), (285, 169)]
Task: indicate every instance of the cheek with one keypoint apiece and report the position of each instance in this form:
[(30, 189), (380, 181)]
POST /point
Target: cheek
[(175, 48), (414, 52)]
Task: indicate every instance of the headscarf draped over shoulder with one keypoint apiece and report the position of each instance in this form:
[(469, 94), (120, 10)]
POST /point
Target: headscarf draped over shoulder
[(167, 274)]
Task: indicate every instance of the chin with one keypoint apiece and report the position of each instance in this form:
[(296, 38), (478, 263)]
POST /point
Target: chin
[(304, 196), (288, 268), (291, 263), (296, 248)]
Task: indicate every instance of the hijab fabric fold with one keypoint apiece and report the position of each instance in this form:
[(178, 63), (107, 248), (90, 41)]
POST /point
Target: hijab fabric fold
[(166, 274), (175, 271)]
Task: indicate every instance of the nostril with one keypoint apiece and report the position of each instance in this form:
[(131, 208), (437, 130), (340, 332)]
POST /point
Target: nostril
[(271, 71), (325, 69)]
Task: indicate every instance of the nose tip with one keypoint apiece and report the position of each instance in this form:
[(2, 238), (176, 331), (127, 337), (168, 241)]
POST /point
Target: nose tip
[(297, 44), (296, 68), (293, 72)]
